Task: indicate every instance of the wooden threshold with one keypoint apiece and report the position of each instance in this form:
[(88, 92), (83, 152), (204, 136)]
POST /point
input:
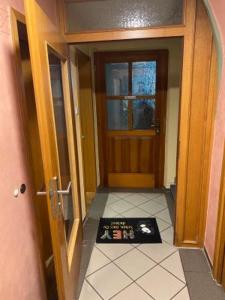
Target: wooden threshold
[(115, 35), (131, 180)]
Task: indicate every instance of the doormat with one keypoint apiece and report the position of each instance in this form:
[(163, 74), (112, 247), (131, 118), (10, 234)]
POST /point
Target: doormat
[(128, 230)]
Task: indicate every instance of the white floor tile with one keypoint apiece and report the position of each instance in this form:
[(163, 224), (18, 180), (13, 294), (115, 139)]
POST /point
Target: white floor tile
[(97, 261), (135, 213), (173, 264), (112, 199), (109, 280), (132, 292), (157, 252), (136, 199), (162, 225), (121, 206), (151, 207), (167, 235), (161, 200), (160, 284), (88, 293), (165, 216), (109, 213), (134, 263), (120, 195), (151, 196), (114, 251), (183, 295)]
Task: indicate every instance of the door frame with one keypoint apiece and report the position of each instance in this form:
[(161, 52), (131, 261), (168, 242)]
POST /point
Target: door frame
[(183, 235), (219, 255), (103, 57)]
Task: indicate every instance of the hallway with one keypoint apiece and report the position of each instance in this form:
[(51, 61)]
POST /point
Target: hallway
[(148, 271)]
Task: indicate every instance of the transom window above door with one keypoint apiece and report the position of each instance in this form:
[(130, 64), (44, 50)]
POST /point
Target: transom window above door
[(131, 89)]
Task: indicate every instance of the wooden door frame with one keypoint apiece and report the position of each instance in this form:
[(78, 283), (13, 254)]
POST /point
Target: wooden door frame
[(219, 255), (100, 58), (187, 32)]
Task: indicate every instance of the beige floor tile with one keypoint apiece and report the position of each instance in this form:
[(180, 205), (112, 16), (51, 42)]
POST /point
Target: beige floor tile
[(160, 284), (135, 213), (157, 252), (113, 251), (164, 215), (151, 207), (168, 235), (132, 292), (162, 225), (109, 280), (183, 295), (151, 196), (121, 206), (136, 199), (173, 264), (134, 263), (88, 293), (97, 260)]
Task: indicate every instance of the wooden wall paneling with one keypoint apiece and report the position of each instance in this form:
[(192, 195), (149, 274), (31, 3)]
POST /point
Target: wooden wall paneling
[(87, 120), (208, 139), (191, 204), (183, 141), (121, 34)]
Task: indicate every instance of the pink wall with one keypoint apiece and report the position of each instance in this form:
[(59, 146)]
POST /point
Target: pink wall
[(218, 9), (20, 276)]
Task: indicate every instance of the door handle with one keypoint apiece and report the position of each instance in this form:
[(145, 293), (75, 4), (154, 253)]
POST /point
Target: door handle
[(41, 192), (65, 192), (156, 126)]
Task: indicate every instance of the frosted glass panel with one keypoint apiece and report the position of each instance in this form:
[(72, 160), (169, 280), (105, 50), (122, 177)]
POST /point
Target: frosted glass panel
[(88, 15), (117, 114), (143, 114), (116, 79), (144, 78)]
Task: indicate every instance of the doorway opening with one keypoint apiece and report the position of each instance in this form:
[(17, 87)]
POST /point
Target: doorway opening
[(135, 151), (136, 95), (34, 156)]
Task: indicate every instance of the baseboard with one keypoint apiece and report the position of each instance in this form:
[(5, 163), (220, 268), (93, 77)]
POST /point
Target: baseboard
[(208, 259)]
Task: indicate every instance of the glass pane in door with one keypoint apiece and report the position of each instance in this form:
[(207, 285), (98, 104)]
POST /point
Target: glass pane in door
[(62, 143), (143, 114), (117, 112), (144, 78), (116, 79)]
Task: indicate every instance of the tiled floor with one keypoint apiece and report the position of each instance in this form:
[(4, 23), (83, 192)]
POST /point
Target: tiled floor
[(140, 272)]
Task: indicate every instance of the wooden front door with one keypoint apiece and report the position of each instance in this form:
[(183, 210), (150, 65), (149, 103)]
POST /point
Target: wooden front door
[(131, 102), (49, 62)]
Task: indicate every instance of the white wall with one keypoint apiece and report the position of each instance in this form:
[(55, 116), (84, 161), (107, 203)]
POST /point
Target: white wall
[(174, 45)]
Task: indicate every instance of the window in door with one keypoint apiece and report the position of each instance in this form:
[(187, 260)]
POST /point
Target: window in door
[(131, 95), (62, 143)]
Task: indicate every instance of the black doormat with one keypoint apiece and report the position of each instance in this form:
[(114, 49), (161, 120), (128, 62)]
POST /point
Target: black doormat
[(128, 230)]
